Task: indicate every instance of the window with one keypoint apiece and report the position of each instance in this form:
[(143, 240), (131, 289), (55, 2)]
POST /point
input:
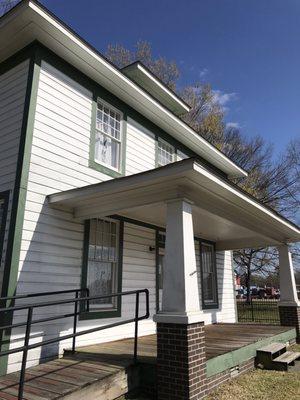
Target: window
[(208, 275), (3, 214), (165, 153), (101, 272), (181, 155), (108, 136)]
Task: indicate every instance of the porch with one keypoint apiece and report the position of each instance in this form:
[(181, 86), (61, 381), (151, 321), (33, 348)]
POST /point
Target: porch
[(108, 369), (187, 200)]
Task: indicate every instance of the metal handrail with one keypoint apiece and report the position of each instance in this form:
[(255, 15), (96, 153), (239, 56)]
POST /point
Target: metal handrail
[(73, 335), (41, 294)]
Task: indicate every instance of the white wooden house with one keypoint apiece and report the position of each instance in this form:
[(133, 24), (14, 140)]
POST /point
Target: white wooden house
[(102, 185)]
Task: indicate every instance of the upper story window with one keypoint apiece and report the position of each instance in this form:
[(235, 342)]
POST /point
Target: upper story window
[(166, 153), (108, 137)]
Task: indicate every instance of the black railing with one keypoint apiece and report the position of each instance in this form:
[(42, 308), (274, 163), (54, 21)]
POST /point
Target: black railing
[(264, 311), (77, 301)]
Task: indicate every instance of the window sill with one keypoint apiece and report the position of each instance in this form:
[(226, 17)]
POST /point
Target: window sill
[(105, 170), (99, 314), (210, 306)]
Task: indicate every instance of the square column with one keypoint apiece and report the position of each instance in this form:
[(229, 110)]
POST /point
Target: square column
[(180, 297), (289, 305), (181, 360)]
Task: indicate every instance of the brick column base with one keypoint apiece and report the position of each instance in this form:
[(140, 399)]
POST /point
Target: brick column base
[(181, 361), (290, 316)]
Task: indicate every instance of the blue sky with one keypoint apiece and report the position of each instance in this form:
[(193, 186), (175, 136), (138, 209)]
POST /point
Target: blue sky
[(247, 49)]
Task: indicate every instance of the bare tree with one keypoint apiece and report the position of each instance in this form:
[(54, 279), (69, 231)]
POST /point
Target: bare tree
[(165, 70), (275, 181), (207, 115)]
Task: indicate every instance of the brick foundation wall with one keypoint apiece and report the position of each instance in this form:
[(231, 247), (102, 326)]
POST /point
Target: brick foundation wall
[(290, 316), (216, 380), (181, 361)]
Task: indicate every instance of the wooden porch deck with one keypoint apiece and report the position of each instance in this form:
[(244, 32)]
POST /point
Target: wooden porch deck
[(219, 339), (106, 370)]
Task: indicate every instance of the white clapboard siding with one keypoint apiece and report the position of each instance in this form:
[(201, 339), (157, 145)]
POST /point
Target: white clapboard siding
[(226, 311), (140, 148), (226, 294), (52, 241), (13, 85), (138, 272)]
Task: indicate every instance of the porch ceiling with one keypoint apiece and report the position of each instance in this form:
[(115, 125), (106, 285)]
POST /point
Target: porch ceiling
[(221, 211)]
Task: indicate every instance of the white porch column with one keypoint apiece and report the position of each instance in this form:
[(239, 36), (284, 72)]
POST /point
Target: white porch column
[(289, 305), (180, 299), (180, 320), (288, 290)]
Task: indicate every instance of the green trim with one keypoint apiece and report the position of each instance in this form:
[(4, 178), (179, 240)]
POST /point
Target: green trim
[(24, 54), (215, 305), (159, 229), (101, 314), (92, 163), (136, 222), (157, 269), (128, 112), (3, 196), (234, 358), (20, 190), (172, 143)]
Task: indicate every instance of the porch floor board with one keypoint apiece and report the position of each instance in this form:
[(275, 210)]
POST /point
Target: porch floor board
[(105, 362), (219, 339)]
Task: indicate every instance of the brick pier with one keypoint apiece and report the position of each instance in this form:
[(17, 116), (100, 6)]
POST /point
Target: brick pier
[(290, 316), (181, 361)]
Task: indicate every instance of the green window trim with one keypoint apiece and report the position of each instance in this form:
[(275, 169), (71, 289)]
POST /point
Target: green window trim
[(5, 197), (100, 314), (94, 164), (214, 305), (160, 243), (178, 147)]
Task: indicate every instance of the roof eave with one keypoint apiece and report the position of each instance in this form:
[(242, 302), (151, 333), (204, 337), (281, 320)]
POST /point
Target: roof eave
[(44, 26), (193, 171), (174, 102)]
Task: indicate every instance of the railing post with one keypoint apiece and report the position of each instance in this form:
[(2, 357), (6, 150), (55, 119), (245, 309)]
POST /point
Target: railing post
[(252, 311), (75, 323), (137, 303), (25, 353), (87, 302)]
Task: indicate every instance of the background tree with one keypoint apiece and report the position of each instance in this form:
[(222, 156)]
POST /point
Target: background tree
[(274, 180), (207, 115), (167, 71)]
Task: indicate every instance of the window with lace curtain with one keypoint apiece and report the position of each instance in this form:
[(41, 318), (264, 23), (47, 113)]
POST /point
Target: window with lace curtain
[(101, 272), (108, 136)]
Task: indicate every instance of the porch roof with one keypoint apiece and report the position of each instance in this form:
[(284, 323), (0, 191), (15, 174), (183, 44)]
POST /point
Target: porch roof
[(222, 212)]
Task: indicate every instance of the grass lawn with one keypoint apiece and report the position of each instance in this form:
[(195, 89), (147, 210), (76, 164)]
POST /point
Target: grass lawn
[(261, 385), (258, 385)]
